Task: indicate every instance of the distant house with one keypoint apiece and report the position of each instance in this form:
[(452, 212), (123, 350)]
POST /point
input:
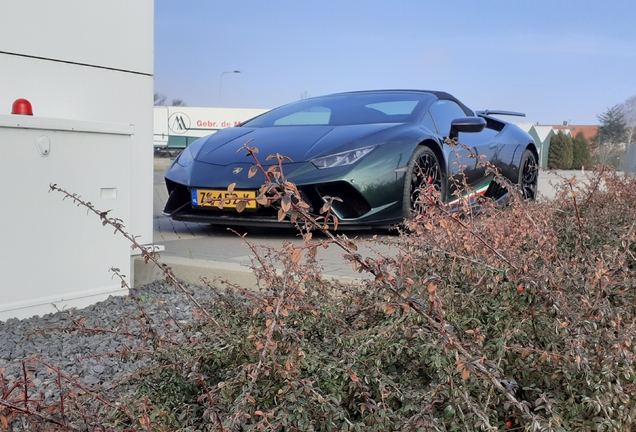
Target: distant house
[(589, 132), (541, 136)]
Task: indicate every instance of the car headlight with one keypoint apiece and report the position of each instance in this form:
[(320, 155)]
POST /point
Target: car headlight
[(341, 159)]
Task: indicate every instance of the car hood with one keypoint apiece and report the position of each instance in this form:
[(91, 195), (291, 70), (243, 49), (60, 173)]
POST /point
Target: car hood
[(300, 143)]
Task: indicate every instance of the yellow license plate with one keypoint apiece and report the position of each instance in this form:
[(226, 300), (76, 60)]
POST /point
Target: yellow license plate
[(211, 198)]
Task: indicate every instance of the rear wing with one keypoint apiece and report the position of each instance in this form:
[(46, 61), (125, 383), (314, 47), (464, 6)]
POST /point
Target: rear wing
[(499, 112)]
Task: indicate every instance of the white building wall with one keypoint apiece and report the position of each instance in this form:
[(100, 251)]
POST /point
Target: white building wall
[(84, 62)]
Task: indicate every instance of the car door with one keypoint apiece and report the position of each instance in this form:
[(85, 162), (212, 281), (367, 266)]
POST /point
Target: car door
[(463, 159)]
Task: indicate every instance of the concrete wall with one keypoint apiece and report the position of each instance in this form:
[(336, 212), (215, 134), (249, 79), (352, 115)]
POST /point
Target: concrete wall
[(78, 62)]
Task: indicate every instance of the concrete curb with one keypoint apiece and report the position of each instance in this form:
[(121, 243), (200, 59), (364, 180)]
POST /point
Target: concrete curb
[(194, 270)]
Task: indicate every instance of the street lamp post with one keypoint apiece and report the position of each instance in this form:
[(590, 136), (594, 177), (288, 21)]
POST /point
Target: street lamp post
[(221, 82)]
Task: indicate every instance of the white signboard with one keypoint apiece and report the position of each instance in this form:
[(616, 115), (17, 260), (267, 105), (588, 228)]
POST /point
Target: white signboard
[(199, 122)]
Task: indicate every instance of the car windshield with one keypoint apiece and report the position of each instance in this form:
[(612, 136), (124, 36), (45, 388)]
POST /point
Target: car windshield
[(346, 109)]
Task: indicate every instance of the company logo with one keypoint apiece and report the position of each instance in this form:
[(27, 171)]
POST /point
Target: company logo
[(237, 170), (179, 123)]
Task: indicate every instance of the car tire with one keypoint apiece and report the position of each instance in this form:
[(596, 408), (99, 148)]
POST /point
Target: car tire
[(423, 170), (528, 175)]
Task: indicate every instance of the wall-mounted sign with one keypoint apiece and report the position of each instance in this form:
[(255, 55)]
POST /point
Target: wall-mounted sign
[(179, 123)]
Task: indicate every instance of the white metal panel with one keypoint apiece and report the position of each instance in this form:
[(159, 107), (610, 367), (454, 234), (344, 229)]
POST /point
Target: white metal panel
[(53, 252), (115, 33), (58, 90)]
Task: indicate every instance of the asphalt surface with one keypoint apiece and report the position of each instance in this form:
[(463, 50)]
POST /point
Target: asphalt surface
[(202, 245)]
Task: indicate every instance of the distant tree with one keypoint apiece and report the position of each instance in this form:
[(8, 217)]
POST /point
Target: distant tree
[(611, 136), (581, 156), (178, 102), (304, 95), (629, 115), (612, 126), (160, 99), (560, 151)]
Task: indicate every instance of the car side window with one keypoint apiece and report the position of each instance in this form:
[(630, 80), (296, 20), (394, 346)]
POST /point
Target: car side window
[(444, 112)]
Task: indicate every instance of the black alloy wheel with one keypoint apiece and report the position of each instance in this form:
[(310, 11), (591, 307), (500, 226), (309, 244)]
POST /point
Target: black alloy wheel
[(424, 174), (529, 175)]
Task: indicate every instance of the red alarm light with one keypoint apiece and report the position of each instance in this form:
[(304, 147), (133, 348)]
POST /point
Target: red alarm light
[(22, 107)]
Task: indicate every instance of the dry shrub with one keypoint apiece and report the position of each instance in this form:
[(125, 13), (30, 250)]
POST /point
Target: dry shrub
[(520, 317)]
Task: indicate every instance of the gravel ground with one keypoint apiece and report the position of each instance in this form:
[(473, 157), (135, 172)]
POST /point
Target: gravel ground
[(91, 344)]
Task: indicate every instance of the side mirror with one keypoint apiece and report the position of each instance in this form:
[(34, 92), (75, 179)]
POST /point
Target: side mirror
[(466, 124)]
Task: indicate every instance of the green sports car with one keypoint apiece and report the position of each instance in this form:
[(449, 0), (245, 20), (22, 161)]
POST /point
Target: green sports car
[(372, 149)]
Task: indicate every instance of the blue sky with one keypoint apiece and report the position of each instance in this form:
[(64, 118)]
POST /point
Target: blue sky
[(555, 60)]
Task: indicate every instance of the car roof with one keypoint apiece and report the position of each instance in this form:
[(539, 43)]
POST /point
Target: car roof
[(438, 94)]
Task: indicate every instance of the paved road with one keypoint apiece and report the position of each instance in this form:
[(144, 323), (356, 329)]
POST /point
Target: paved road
[(202, 241)]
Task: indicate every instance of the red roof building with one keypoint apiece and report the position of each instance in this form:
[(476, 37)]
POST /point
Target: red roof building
[(588, 131)]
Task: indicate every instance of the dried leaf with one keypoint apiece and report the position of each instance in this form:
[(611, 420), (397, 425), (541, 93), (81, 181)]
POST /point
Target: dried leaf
[(297, 255), (432, 287), (240, 206), (262, 200), (335, 223), (270, 157), (281, 215), (285, 203), (443, 223), (252, 172), (389, 309), (544, 357), (231, 187), (465, 374)]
